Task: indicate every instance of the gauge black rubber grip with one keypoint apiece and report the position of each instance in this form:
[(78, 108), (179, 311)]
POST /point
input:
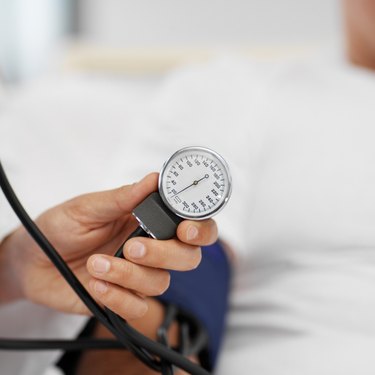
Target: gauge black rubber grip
[(156, 218)]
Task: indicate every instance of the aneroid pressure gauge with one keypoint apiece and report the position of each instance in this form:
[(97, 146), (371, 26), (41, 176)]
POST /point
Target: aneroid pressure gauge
[(194, 183)]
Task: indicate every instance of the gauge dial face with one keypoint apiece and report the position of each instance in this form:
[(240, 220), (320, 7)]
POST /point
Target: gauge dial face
[(195, 183)]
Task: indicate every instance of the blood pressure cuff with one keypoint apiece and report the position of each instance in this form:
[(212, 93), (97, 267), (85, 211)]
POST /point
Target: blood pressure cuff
[(204, 293)]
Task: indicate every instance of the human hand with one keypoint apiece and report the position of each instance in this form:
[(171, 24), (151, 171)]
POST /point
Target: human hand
[(98, 223)]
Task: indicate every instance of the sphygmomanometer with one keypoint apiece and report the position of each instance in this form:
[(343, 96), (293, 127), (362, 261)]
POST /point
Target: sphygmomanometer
[(194, 184)]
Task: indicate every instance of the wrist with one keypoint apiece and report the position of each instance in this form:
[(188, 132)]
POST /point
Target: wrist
[(10, 268), (152, 320), (115, 361)]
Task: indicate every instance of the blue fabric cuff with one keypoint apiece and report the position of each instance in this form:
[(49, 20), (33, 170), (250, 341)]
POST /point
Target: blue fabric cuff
[(204, 293)]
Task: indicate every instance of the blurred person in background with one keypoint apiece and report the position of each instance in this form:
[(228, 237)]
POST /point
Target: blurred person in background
[(299, 137)]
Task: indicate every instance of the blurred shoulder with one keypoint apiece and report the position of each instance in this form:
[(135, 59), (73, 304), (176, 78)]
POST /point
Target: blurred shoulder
[(222, 75), (213, 92)]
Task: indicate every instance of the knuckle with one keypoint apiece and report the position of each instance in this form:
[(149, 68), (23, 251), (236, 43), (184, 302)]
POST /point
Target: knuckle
[(104, 297), (163, 284), (164, 256), (74, 211), (195, 259), (121, 192), (126, 271), (126, 305), (133, 308)]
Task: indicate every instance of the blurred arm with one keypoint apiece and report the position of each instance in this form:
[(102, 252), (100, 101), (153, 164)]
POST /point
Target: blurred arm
[(9, 291), (121, 361)]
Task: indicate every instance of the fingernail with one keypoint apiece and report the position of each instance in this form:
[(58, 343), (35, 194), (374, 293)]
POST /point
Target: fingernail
[(100, 287), (101, 265), (137, 250), (192, 233)]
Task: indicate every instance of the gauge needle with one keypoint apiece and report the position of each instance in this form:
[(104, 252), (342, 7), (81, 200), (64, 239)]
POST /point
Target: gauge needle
[(196, 182)]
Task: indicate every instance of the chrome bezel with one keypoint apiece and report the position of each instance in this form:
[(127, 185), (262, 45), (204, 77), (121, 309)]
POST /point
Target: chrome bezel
[(222, 203)]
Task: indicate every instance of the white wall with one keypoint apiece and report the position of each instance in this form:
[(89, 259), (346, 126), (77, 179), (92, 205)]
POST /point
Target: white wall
[(30, 29), (29, 32), (200, 22)]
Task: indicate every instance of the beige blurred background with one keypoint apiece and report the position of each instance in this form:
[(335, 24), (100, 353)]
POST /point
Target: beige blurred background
[(147, 36), (76, 75)]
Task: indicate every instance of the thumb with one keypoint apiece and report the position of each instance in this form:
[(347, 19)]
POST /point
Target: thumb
[(109, 205)]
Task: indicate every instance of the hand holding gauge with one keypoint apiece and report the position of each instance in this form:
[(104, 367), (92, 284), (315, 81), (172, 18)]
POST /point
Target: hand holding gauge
[(194, 183)]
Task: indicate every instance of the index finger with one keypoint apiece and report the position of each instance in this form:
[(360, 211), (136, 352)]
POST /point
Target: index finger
[(109, 205)]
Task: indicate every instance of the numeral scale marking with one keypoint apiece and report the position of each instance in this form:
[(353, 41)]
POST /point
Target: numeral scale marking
[(196, 157)]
